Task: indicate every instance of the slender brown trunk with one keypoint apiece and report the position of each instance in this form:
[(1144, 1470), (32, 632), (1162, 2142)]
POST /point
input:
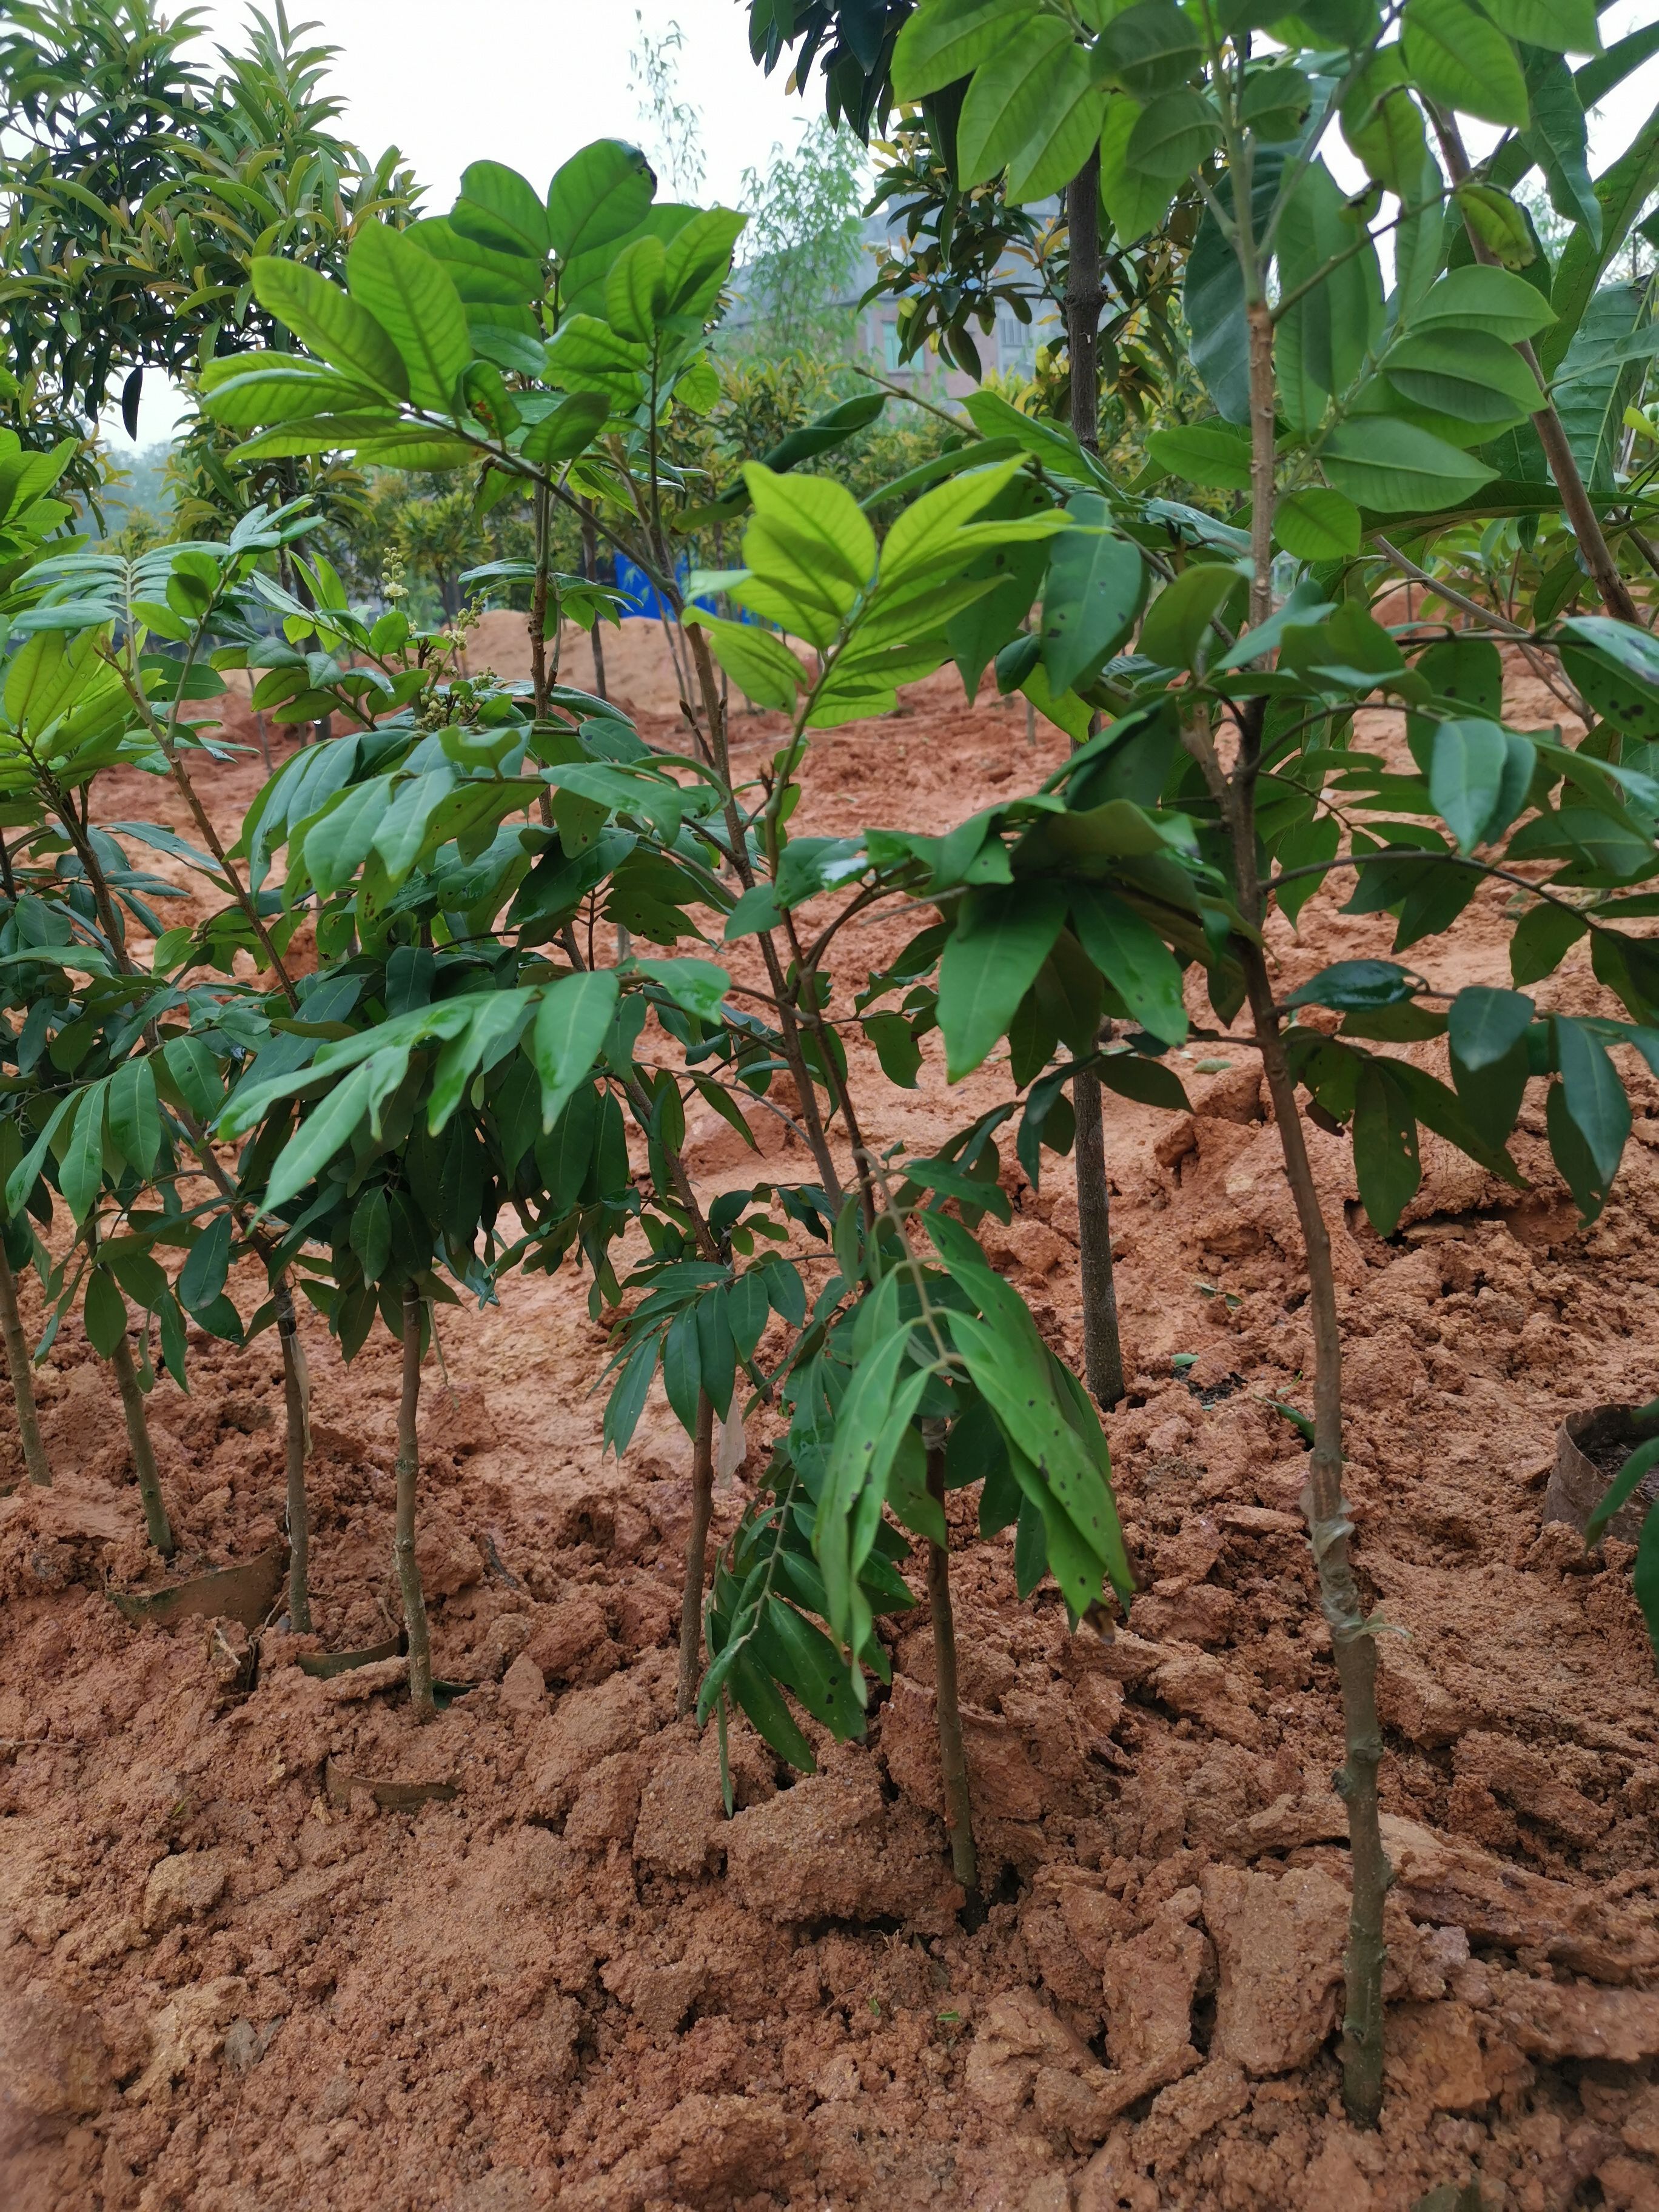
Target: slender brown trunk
[(408, 1475), (1352, 1643), (1263, 428), (952, 1751), (591, 570), (156, 1525), (697, 1558), (299, 1516), (1581, 518), (22, 1379), (1102, 1349)]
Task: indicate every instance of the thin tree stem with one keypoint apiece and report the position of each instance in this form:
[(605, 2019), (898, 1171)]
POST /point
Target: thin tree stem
[(1582, 517), (952, 1750), (299, 1516), (1102, 1349), (157, 1527), (1353, 1645), (591, 570), (538, 608), (408, 1475), (1262, 398), (696, 1559), (22, 1379)]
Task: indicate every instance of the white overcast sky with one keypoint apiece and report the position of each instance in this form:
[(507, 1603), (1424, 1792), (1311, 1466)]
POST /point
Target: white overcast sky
[(527, 81)]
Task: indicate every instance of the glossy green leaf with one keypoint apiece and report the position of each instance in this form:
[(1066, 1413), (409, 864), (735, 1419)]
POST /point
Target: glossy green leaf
[(412, 298), (1134, 202), (1002, 936), (81, 1169), (1466, 373), (503, 209), (1494, 301), (570, 1029), (1594, 1095), (1174, 135), (1385, 1152), (1485, 1024), (207, 1265), (135, 1114), (340, 328), (1009, 99), (1317, 524), (1216, 455), (1179, 621), (758, 662), (1466, 777), (1563, 27), (1133, 959), (599, 195), (1459, 56), (568, 429), (105, 1313), (1395, 468), (947, 39), (1096, 585)]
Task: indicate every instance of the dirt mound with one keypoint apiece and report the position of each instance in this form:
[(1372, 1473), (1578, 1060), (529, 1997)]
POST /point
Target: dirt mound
[(550, 1971)]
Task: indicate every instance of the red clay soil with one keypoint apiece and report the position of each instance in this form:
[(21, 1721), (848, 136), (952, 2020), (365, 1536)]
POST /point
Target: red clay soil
[(232, 1981)]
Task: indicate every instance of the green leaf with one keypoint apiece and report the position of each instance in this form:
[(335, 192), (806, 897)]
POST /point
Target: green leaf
[(599, 195), (105, 1313), (1572, 1155), (1329, 331), (1466, 373), (1395, 468), (1593, 1094), (568, 429), (342, 330), (1494, 301), (1559, 140), (1002, 936), (1385, 1155), (1563, 27), (1316, 524), (681, 1368), (1133, 959), (1174, 135), (946, 40), (1134, 202), (1466, 777), (413, 298), (202, 1278), (1543, 937), (1096, 586), (1069, 115), (896, 1047), (1356, 986), (570, 1029), (699, 986), (328, 1126), (1213, 294), (757, 1695), (1148, 48), (1179, 620), (1009, 99), (1620, 1491), (758, 662), (1214, 454), (1484, 1024), (809, 537), (636, 291), (1621, 191), (1460, 59), (500, 209), (80, 1169), (696, 266), (134, 1116)]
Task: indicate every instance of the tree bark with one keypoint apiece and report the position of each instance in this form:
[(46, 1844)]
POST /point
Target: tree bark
[(408, 1473), (38, 1467), (952, 1750), (1103, 1348), (696, 1559), (299, 1516), (157, 1527)]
